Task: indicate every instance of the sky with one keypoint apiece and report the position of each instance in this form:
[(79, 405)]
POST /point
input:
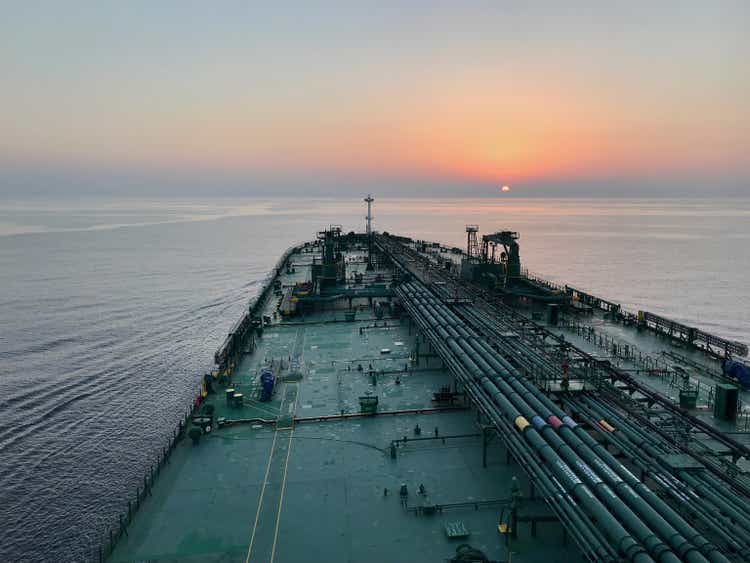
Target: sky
[(414, 98)]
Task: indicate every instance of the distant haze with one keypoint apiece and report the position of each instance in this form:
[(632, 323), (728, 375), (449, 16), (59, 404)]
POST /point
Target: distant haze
[(413, 98)]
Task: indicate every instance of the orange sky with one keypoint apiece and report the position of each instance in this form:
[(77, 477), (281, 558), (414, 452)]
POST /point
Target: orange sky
[(479, 95)]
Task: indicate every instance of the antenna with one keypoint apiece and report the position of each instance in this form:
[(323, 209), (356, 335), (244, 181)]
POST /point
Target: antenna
[(369, 199)]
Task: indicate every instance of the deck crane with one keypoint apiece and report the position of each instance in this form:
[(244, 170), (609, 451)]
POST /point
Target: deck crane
[(510, 255)]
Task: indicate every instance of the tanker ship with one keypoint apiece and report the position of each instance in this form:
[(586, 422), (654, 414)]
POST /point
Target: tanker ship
[(391, 399)]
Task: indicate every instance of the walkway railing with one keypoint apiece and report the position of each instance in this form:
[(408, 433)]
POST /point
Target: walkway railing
[(132, 504)]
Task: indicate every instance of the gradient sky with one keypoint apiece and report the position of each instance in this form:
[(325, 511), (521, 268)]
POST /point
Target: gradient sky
[(411, 97)]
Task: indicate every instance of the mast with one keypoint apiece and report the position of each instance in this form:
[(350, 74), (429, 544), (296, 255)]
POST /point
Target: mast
[(369, 199)]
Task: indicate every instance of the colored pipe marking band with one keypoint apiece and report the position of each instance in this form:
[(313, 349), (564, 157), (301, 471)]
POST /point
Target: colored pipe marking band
[(521, 422), (538, 422), (606, 426), (554, 422), (569, 422)]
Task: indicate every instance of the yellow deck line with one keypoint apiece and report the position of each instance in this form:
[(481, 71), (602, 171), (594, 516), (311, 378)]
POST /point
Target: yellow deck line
[(283, 481), (260, 500), (262, 491), (268, 467)]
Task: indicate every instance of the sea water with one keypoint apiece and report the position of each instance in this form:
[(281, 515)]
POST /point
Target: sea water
[(110, 312)]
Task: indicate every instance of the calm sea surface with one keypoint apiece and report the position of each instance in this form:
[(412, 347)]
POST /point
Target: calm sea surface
[(111, 311)]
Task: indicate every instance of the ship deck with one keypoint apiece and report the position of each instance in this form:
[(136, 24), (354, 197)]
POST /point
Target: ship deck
[(659, 374), (325, 486), (307, 475)]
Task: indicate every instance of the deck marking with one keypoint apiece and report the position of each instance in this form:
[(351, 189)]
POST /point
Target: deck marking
[(292, 409), (263, 490), (288, 449), (260, 501), (283, 483)]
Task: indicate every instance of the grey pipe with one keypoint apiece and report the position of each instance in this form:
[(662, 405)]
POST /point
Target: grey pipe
[(548, 485), (612, 471), (656, 511), (637, 495), (625, 542)]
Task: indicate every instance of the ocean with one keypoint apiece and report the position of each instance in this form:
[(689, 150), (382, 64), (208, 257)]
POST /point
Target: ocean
[(111, 311)]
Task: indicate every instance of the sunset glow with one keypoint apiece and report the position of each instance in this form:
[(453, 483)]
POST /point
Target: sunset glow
[(458, 104)]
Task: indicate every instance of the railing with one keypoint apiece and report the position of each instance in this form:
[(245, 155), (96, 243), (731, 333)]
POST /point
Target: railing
[(592, 300), (541, 280), (238, 331), (692, 335), (616, 348), (743, 420), (657, 366), (142, 492)]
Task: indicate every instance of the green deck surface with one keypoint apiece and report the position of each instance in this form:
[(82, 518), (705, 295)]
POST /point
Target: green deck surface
[(649, 343), (314, 491)]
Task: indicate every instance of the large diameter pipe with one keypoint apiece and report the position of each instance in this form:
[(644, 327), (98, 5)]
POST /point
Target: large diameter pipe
[(632, 522), (567, 509), (680, 535), (625, 542), (683, 538), (640, 441), (700, 506), (633, 436), (727, 509), (634, 552), (644, 534)]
